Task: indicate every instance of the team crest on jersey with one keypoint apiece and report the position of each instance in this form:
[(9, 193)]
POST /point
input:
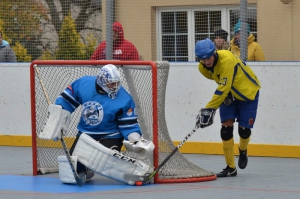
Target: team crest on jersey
[(129, 112), (251, 121), (92, 113)]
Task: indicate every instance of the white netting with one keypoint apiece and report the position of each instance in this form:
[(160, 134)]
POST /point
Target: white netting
[(138, 81)]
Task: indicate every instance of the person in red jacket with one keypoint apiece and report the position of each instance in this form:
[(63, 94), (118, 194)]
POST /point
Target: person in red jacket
[(122, 48)]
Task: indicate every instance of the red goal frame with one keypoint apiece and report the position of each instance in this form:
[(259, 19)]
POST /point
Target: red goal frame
[(155, 124), (92, 62)]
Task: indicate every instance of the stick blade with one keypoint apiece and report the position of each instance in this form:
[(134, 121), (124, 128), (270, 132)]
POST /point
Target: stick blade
[(80, 179), (132, 177)]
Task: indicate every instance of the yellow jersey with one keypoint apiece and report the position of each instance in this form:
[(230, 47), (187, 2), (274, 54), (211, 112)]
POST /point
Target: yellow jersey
[(232, 75)]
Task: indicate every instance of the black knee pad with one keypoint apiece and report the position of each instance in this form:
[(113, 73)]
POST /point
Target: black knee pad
[(226, 132), (244, 132)]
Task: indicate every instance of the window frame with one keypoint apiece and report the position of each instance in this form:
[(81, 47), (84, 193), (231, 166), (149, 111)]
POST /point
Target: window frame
[(225, 23)]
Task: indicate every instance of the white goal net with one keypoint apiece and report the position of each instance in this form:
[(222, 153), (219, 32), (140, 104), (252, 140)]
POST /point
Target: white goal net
[(145, 80)]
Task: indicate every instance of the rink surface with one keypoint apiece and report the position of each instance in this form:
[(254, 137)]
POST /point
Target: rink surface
[(264, 177)]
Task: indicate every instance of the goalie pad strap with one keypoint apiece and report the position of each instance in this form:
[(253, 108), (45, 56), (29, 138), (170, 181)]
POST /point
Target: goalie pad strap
[(107, 162), (58, 121)]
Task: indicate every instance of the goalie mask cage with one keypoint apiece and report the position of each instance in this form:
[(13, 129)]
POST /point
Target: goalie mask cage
[(144, 80)]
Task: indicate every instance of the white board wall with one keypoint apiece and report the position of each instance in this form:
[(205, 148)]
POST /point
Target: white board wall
[(15, 99), (278, 111), (187, 92)]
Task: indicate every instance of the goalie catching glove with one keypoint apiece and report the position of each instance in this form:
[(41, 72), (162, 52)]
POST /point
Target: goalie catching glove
[(142, 147), (57, 123), (205, 117)]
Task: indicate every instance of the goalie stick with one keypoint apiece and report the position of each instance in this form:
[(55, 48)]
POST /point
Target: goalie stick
[(80, 179), (146, 178)]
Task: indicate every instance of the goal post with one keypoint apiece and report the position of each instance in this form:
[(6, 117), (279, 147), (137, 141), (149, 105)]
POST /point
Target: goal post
[(145, 80)]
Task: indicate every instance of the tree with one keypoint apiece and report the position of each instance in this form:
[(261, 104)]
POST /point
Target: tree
[(3, 33), (36, 23), (21, 22), (86, 8), (89, 47), (86, 15), (69, 45), (21, 53)]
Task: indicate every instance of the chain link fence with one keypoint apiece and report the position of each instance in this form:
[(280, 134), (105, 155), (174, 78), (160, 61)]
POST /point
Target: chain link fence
[(166, 31)]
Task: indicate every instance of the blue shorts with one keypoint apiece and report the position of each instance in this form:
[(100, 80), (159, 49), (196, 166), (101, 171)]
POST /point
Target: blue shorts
[(243, 112)]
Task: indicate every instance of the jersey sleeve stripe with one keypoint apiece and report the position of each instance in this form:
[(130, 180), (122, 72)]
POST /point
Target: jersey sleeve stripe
[(249, 77), (240, 94), (127, 122), (70, 99), (217, 92), (234, 73), (128, 126)]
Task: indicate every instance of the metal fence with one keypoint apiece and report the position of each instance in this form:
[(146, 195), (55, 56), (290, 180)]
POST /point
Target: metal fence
[(166, 31)]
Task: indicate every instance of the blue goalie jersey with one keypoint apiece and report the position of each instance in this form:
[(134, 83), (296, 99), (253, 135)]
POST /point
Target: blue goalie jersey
[(101, 116)]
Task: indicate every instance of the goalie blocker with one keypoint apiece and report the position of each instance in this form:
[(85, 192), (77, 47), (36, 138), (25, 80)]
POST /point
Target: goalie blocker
[(58, 121), (104, 161)]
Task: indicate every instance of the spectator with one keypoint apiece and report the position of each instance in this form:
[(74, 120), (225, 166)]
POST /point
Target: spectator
[(220, 40), (122, 48), (255, 52), (6, 52)]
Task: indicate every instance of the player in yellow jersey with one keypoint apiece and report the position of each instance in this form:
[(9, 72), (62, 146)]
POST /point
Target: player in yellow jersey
[(236, 95)]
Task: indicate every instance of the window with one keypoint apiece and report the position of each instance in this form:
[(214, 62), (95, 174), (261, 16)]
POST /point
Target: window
[(180, 28), (174, 32), (206, 23)]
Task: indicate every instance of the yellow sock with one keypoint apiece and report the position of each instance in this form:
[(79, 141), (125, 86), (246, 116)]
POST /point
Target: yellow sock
[(229, 152), (244, 143)]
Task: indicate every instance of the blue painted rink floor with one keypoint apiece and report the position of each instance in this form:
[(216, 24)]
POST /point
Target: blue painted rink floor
[(263, 178), (54, 185)]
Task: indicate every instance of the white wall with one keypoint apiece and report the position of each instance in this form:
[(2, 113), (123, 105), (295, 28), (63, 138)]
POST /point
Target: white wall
[(278, 116), (187, 92), (15, 99)]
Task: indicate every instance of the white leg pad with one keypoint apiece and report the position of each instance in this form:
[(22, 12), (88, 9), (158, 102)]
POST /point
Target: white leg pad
[(107, 162), (64, 169)]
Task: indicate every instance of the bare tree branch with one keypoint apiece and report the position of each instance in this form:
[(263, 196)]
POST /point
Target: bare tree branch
[(54, 15), (65, 5), (83, 15)]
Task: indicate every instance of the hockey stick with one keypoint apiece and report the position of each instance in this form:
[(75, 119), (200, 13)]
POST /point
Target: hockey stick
[(146, 178), (80, 179)]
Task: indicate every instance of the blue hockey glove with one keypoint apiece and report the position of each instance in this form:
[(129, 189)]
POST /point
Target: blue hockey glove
[(206, 117)]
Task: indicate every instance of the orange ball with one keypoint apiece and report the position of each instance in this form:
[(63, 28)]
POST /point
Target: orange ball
[(138, 183)]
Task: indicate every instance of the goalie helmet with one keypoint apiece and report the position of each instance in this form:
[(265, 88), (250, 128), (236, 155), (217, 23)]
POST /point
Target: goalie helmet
[(205, 49), (109, 80)]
